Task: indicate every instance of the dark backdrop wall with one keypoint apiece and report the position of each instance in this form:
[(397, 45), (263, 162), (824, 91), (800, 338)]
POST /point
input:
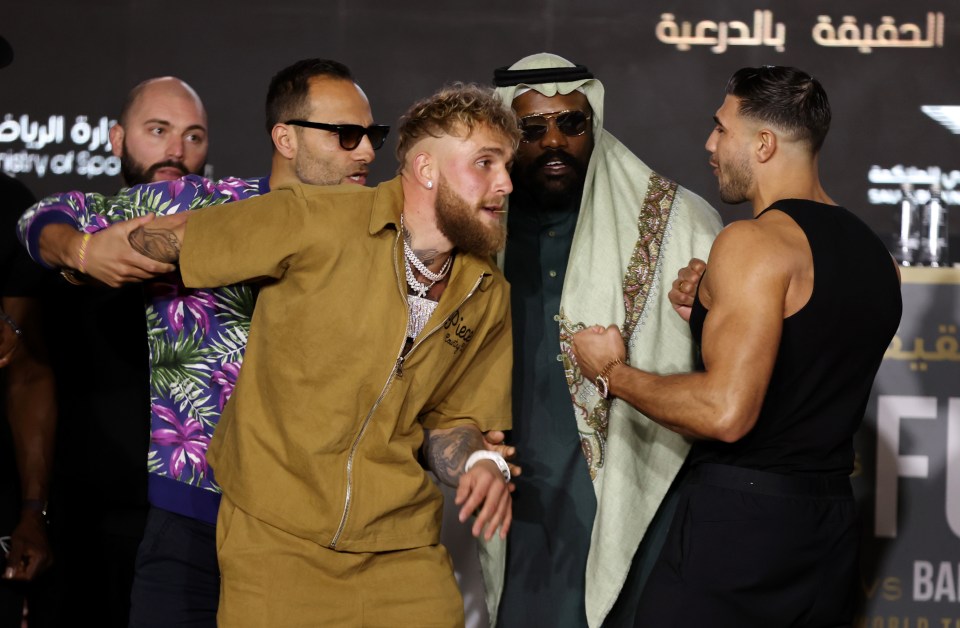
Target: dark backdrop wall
[(891, 68), (79, 59)]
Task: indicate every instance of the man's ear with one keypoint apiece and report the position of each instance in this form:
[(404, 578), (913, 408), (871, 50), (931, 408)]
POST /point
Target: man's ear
[(766, 145), (425, 169), (116, 140), (284, 140)]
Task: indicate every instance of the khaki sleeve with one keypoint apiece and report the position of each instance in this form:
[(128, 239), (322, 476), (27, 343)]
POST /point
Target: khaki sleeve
[(243, 241)]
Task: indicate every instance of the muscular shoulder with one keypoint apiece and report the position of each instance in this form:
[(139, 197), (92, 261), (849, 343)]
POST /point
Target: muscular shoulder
[(747, 258), (773, 238), (741, 241)]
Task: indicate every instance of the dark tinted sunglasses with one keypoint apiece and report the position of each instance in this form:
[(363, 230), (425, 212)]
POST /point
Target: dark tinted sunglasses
[(570, 123), (350, 134)]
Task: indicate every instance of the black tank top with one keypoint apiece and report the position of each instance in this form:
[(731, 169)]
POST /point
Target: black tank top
[(829, 352)]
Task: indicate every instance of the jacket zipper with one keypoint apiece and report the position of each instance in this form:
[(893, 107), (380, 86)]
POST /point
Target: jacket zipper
[(398, 371), (431, 332), (353, 450)]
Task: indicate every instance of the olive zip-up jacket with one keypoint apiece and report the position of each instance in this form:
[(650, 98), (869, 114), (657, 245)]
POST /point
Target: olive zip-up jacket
[(321, 435)]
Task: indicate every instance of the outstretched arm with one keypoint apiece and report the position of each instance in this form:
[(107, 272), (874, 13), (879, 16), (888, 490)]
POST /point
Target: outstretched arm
[(105, 255), (482, 487), (746, 293), (70, 231), (161, 239)]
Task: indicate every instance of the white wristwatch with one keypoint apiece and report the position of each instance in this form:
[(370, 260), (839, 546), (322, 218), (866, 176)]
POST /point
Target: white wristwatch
[(483, 454)]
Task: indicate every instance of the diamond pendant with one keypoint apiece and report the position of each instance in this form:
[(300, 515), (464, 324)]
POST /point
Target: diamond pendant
[(419, 312)]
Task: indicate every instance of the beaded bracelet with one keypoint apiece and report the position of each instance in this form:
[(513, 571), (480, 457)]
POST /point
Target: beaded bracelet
[(82, 254)]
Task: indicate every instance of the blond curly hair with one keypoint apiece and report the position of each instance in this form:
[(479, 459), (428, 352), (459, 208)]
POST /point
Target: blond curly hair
[(453, 109)]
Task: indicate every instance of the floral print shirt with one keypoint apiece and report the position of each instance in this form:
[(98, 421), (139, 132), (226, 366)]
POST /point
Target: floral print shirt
[(196, 337)]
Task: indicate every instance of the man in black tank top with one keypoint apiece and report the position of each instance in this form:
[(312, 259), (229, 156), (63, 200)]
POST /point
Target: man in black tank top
[(765, 533)]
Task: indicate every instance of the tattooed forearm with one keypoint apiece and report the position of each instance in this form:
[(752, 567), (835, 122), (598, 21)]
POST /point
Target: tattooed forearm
[(159, 244), (447, 451)]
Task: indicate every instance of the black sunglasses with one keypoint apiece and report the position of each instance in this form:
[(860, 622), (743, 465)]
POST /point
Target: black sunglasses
[(350, 134), (570, 123)]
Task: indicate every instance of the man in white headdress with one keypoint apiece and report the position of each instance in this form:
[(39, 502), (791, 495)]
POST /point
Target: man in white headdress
[(594, 237)]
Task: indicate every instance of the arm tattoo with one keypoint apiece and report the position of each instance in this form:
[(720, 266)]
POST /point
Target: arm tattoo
[(159, 244), (448, 450)]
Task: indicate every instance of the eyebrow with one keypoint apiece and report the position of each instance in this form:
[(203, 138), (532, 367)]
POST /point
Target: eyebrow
[(717, 120), (491, 149)]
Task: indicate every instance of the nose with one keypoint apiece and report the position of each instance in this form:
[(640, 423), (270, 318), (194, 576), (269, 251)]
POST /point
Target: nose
[(553, 137), (711, 144), (364, 151), (175, 146), (503, 185)]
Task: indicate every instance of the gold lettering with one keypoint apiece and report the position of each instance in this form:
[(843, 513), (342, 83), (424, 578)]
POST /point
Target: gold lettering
[(892, 588)]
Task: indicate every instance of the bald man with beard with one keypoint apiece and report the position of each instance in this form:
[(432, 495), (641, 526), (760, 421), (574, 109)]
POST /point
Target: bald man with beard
[(196, 338)]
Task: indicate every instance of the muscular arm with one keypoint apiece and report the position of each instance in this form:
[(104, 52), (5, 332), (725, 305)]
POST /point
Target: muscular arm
[(32, 412), (482, 487), (745, 292)]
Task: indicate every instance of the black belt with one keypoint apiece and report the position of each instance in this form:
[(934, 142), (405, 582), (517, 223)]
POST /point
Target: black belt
[(754, 481)]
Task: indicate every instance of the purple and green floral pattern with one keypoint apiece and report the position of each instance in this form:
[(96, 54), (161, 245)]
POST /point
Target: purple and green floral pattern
[(196, 337)]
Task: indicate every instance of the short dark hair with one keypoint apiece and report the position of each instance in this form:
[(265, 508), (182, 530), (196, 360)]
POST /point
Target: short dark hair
[(786, 97), (456, 108), (287, 94)]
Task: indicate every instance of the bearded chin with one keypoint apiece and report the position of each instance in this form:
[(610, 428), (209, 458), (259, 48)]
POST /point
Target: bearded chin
[(132, 171), (462, 225)]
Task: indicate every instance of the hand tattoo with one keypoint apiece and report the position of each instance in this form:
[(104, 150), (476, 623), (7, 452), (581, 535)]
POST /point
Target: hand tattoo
[(159, 244)]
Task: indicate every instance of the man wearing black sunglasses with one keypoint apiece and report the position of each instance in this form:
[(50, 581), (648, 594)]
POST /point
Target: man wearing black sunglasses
[(591, 231), (321, 127)]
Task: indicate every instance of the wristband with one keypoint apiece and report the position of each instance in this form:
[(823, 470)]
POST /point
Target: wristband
[(483, 454)]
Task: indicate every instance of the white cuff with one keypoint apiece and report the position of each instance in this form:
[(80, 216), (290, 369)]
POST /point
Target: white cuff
[(483, 454)]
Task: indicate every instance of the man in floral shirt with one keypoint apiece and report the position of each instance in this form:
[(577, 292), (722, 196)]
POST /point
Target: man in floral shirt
[(321, 126), (98, 495)]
